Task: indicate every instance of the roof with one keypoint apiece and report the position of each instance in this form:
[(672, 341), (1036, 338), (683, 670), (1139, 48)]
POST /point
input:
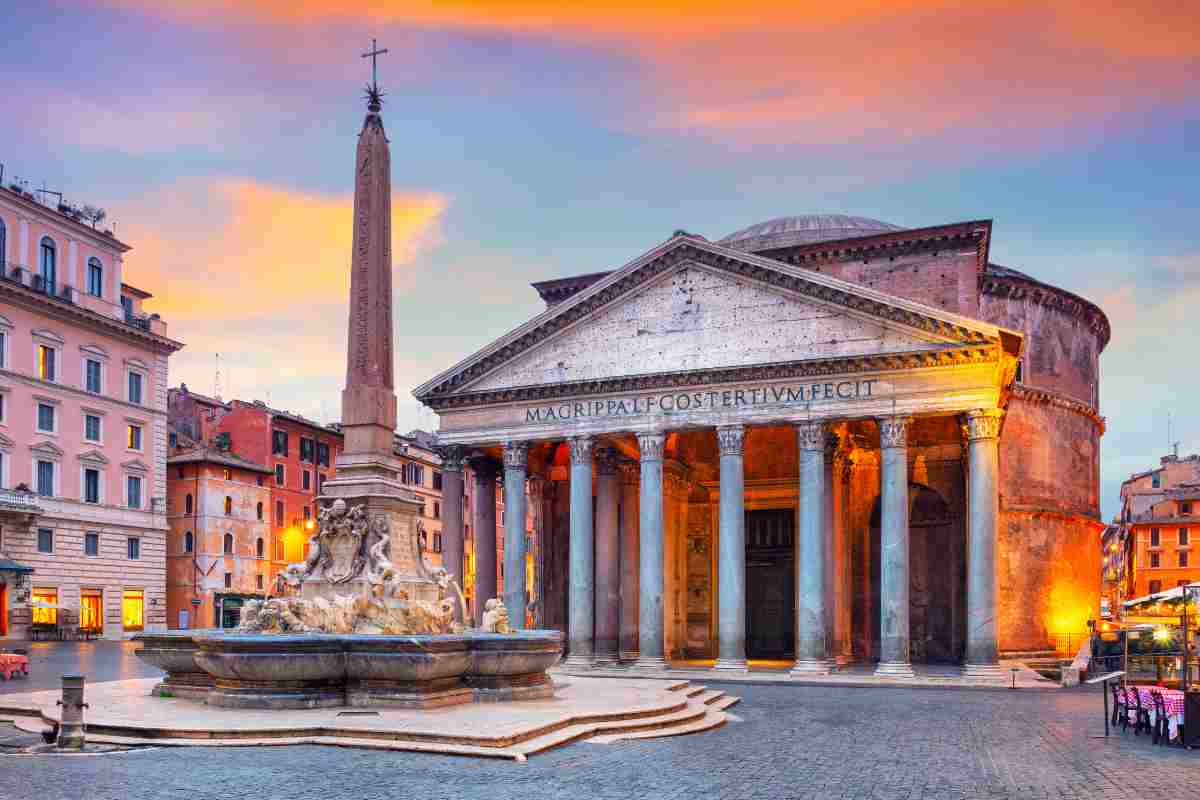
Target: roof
[(136, 292), (225, 458), (803, 229), (60, 218), (1092, 310), (954, 330)]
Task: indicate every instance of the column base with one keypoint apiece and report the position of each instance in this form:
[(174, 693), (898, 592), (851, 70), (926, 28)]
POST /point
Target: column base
[(986, 671), (651, 664), (731, 665), (813, 666), (894, 669), (579, 662)]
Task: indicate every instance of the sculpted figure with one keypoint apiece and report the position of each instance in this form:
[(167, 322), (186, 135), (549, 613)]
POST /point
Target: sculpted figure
[(495, 617), (276, 615), (379, 551)]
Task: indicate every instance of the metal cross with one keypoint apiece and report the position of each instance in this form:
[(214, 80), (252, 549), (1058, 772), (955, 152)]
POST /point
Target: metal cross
[(375, 51)]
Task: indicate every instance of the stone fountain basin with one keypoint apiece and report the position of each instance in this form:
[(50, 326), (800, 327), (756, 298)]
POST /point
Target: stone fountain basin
[(174, 652), (253, 670)]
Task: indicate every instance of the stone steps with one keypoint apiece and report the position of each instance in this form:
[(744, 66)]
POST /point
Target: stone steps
[(699, 709)]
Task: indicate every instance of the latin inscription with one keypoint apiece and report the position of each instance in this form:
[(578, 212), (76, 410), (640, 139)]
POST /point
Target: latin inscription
[(673, 402)]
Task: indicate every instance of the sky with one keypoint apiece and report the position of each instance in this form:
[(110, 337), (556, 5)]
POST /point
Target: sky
[(535, 139)]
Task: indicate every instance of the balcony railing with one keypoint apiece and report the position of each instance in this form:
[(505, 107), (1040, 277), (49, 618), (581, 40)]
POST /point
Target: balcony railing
[(38, 283), (15, 501)]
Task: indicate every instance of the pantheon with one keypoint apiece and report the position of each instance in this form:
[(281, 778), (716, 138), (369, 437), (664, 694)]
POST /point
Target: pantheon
[(819, 440)]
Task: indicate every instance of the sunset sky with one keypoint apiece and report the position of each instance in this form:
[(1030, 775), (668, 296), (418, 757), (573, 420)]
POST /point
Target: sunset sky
[(540, 139)]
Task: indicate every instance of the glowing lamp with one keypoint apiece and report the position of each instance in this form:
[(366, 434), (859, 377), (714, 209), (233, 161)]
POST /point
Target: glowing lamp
[(1162, 635)]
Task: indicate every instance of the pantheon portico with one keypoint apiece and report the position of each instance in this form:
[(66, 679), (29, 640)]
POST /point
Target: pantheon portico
[(728, 456)]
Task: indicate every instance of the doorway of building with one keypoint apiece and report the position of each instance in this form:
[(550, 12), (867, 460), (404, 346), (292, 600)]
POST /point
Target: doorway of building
[(770, 584), (3, 610)]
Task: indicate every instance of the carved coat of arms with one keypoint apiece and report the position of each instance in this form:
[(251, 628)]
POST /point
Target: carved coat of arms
[(336, 552)]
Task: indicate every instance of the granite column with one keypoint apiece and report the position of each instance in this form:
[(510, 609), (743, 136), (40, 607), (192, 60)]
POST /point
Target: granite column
[(581, 619), (651, 581), (893, 545), (516, 467), (452, 517), (486, 469), (983, 436), (731, 621), (608, 557), (812, 552), (628, 476)]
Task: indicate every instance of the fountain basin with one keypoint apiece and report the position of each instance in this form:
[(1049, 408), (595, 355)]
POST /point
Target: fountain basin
[(174, 653), (314, 670)]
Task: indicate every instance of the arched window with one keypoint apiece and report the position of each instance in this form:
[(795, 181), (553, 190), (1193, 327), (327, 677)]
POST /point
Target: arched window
[(48, 264), (228, 505), (260, 511), (187, 542), (187, 504), (260, 547), (95, 277), (229, 543)]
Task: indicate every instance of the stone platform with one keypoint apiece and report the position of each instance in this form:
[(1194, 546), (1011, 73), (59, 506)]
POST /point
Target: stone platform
[(607, 710), (853, 675)]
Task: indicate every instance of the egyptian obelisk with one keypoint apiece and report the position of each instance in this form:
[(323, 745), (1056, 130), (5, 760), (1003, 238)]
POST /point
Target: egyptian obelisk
[(367, 470)]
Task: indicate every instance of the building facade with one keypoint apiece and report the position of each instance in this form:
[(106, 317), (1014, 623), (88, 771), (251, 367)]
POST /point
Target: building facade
[(818, 439), (298, 452), (83, 383), (219, 544), (1160, 518)]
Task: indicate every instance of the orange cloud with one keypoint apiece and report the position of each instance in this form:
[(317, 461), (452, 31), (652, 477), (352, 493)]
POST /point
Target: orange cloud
[(237, 247), (819, 72), (260, 274)]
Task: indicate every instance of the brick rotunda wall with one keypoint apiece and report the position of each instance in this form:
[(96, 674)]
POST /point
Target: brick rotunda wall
[(1049, 557)]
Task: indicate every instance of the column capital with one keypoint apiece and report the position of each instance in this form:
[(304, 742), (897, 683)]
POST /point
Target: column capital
[(485, 467), (983, 423), (606, 461), (651, 445), (629, 472), (581, 449), (731, 439), (893, 431), (811, 435), (453, 457), (516, 455)]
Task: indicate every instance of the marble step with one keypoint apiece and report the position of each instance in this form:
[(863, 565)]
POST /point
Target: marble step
[(694, 690), (728, 701), (708, 697), (591, 731), (708, 722)]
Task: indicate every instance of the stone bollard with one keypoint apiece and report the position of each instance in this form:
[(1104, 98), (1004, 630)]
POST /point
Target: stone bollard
[(70, 730)]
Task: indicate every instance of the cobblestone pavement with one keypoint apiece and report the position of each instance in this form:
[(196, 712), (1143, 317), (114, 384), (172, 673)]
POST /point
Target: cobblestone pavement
[(790, 742), (99, 660)]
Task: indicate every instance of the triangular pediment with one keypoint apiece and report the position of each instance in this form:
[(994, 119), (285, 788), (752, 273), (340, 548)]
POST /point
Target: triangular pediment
[(691, 306), (46, 449), (93, 457), (135, 465)]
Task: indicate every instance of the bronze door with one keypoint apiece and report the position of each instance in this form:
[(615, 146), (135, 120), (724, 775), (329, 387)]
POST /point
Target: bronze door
[(770, 584)]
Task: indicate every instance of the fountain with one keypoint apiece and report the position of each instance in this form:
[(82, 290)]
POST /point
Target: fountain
[(314, 644)]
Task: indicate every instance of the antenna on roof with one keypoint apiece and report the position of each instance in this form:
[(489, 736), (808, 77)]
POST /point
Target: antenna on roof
[(1171, 443), (217, 379)]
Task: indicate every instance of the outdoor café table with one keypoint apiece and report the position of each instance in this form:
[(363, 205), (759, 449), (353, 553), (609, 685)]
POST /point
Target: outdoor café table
[(1172, 701), (13, 664)]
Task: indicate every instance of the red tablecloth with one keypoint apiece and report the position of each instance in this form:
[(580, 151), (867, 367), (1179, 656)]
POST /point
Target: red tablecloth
[(1172, 702), (12, 664)]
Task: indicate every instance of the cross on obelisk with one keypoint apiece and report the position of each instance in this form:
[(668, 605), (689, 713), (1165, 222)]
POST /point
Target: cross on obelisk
[(373, 55)]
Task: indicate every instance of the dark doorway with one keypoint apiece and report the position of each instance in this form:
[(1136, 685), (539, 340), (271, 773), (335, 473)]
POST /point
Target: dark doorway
[(770, 584)]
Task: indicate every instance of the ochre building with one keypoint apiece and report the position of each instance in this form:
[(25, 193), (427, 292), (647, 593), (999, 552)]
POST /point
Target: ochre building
[(821, 439)]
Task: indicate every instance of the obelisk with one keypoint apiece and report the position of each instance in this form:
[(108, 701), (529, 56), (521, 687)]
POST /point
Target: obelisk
[(367, 470)]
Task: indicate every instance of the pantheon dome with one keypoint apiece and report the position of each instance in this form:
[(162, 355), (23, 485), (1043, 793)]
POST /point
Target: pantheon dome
[(804, 229)]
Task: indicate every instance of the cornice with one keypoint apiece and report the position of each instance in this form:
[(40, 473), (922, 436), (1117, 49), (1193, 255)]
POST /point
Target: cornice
[(1045, 397), (34, 208), (681, 250), (1027, 289), (68, 312), (884, 362), (976, 233)]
